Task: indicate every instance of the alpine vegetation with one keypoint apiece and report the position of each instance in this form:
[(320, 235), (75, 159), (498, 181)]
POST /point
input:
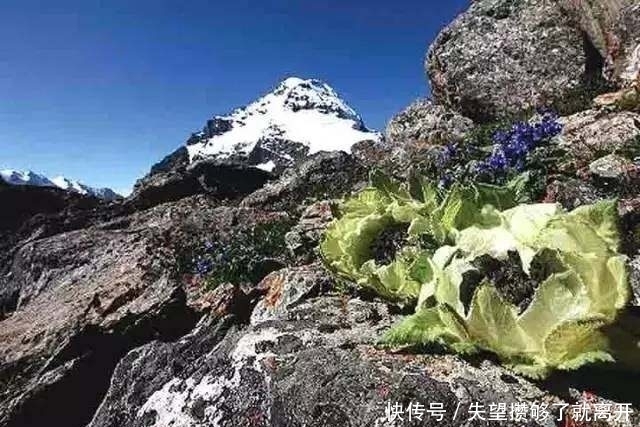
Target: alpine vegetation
[(542, 288)]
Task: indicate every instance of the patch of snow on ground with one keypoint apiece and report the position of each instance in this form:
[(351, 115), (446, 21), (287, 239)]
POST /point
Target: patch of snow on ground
[(268, 166)]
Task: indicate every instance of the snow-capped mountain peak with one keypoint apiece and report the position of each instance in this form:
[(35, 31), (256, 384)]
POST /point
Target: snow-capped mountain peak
[(299, 117), (70, 185), (14, 177)]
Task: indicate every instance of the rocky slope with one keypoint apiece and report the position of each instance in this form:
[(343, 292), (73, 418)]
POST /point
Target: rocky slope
[(201, 299)]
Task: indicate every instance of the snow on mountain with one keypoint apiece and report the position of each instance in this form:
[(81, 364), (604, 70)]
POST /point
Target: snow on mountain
[(299, 117), (14, 177)]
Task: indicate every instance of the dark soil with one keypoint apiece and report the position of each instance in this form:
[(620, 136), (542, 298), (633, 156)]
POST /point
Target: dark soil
[(388, 243), (509, 278)]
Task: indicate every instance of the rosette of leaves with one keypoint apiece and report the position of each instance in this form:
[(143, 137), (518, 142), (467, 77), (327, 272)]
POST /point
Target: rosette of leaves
[(540, 287), (571, 318), (429, 216)]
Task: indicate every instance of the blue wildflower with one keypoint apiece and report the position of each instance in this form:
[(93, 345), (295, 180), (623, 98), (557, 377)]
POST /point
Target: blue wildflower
[(202, 266), (450, 150), (497, 161)]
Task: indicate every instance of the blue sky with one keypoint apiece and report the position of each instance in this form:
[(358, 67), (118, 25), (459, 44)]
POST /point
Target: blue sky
[(101, 90)]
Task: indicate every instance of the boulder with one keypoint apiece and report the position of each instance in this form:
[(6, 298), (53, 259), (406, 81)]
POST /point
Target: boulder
[(503, 57), (613, 26), (594, 133), (425, 123), (611, 168)]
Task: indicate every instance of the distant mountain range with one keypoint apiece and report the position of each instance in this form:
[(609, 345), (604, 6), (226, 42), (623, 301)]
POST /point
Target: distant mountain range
[(14, 177), (299, 117)]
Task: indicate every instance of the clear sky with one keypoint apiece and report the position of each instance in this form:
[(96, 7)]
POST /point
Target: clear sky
[(100, 90)]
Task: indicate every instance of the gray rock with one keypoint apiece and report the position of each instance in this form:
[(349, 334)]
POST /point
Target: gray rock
[(317, 367), (303, 239), (425, 123), (288, 287), (178, 179), (614, 28), (626, 59), (596, 19), (504, 57), (610, 167), (572, 193), (383, 155), (84, 298), (634, 278), (594, 133), (325, 175)]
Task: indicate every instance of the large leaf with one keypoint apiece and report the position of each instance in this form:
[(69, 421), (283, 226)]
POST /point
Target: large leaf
[(575, 317), (576, 343), (493, 322)]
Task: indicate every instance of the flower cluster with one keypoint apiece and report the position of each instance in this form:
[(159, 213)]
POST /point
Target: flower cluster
[(511, 147), (201, 266), (239, 259), (214, 255)]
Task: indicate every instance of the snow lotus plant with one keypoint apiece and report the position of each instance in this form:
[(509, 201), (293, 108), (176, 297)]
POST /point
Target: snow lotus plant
[(427, 213), (571, 316)]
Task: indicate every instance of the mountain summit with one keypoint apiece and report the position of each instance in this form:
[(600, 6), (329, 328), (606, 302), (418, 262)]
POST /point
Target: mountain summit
[(14, 177), (298, 118)]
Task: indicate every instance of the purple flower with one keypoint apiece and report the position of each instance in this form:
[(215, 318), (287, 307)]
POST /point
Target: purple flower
[(513, 146), (445, 155), (451, 150), (202, 266), (497, 160)]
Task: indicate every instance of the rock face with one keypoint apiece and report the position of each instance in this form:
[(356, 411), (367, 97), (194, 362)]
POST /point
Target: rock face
[(627, 62), (613, 27), (325, 175), (175, 180), (593, 133), (424, 123), (82, 284), (295, 365), (77, 301), (502, 57)]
